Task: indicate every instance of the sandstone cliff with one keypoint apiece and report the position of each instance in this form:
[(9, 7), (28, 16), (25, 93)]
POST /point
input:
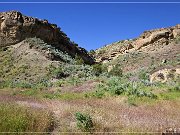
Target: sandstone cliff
[(148, 39), (15, 27)]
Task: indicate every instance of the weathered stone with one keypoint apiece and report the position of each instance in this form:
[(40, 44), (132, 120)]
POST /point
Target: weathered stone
[(151, 37), (164, 75), (15, 27)]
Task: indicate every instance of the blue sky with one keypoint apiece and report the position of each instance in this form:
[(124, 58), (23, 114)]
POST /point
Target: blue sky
[(95, 25)]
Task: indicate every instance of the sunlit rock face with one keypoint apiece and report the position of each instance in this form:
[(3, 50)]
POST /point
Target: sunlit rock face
[(15, 27)]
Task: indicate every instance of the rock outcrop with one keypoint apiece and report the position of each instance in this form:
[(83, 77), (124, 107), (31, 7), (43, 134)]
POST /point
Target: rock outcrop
[(164, 75), (158, 36), (15, 27), (151, 39)]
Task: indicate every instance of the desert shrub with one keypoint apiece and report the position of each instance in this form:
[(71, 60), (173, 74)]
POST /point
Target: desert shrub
[(143, 75), (92, 52), (59, 83), (84, 122), (39, 44), (58, 73), (174, 87), (113, 86), (135, 89), (15, 84), (97, 68), (116, 71), (177, 40), (117, 86), (74, 81), (79, 60), (39, 85), (69, 70), (99, 93), (14, 118)]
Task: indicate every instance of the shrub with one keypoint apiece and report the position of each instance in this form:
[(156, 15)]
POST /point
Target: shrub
[(99, 93), (74, 81), (15, 84), (42, 84), (92, 52), (55, 72), (59, 83), (79, 60), (52, 95), (84, 122), (116, 71), (97, 69), (39, 44), (102, 51), (116, 86), (177, 40), (143, 75), (135, 89)]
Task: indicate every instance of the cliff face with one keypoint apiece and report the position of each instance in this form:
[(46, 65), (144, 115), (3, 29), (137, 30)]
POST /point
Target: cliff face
[(151, 39), (158, 36), (15, 27)]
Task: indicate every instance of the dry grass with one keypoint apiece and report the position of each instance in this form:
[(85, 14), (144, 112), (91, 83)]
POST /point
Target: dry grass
[(110, 114), (15, 118)]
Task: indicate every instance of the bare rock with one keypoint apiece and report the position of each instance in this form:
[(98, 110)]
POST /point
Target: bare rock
[(154, 36), (164, 75), (15, 27)]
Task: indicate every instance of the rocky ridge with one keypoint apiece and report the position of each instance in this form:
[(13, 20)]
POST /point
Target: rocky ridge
[(16, 27), (150, 38)]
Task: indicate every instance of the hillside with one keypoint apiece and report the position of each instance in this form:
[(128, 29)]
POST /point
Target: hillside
[(49, 85), (16, 27), (152, 51)]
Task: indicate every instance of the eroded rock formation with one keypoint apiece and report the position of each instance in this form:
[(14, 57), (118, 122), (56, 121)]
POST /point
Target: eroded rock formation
[(158, 36), (15, 27), (151, 39)]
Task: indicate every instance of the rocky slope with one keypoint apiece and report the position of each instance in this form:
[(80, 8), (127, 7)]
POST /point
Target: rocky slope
[(15, 27), (155, 52), (151, 39)]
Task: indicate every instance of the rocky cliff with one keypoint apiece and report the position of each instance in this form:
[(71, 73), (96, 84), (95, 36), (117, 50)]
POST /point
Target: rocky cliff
[(148, 39), (15, 27), (158, 36)]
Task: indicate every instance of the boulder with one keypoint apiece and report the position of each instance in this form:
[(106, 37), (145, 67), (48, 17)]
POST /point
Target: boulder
[(164, 75)]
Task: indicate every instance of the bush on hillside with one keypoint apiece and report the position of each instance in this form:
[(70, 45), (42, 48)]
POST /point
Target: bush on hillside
[(116, 71), (79, 60), (97, 68)]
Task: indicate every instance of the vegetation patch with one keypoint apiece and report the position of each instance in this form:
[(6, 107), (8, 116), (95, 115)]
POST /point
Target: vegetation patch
[(84, 122), (14, 118)]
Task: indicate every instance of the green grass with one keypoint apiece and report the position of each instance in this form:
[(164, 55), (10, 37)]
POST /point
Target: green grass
[(14, 118), (71, 96), (50, 95), (136, 101), (170, 95)]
